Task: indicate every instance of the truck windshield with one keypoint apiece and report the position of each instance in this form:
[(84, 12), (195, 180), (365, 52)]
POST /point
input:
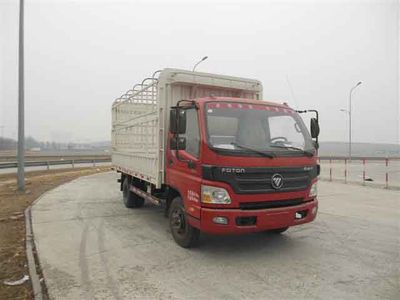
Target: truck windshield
[(240, 127)]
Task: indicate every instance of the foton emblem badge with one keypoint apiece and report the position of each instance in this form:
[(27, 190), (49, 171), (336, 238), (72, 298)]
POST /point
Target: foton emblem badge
[(277, 181)]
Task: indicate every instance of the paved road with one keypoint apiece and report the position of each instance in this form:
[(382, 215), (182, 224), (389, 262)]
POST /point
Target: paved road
[(90, 246)]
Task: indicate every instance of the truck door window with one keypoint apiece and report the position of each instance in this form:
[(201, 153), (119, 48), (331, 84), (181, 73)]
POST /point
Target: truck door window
[(192, 134)]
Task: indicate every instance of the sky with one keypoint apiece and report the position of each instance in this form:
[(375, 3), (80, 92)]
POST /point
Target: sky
[(81, 55)]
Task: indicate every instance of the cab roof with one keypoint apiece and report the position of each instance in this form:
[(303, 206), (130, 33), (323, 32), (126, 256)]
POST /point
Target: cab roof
[(203, 100)]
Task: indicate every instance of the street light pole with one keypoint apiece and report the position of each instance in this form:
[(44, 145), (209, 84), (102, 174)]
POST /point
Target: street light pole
[(203, 59), (2, 136), (347, 114), (21, 110), (350, 94)]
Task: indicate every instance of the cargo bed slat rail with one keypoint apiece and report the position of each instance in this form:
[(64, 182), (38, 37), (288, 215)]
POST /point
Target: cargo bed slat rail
[(135, 122)]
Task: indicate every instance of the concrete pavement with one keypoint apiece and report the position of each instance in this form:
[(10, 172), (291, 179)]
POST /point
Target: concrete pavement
[(91, 247)]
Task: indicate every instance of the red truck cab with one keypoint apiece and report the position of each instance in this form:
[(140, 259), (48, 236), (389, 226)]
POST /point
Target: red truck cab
[(238, 165)]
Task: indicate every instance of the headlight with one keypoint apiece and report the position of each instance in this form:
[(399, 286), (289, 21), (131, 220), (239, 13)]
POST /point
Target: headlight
[(313, 190), (214, 195)]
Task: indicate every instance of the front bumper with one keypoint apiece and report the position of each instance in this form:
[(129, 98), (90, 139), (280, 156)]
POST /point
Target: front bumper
[(245, 221)]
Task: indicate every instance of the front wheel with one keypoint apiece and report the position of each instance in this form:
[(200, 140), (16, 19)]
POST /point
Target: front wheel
[(183, 233)]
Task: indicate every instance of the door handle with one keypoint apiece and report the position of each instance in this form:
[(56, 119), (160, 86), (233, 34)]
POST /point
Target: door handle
[(191, 164)]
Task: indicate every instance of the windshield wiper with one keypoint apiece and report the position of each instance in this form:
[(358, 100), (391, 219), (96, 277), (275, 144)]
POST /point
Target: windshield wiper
[(272, 155), (308, 153)]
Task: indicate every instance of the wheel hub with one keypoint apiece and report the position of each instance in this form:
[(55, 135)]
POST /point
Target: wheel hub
[(178, 221)]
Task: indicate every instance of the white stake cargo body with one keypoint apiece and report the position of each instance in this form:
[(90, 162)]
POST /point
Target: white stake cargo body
[(140, 117)]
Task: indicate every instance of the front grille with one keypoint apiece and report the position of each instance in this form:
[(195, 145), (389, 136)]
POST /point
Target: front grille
[(258, 180), (270, 204), (261, 182)]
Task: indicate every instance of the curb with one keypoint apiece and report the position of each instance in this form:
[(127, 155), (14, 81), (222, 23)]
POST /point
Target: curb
[(30, 246)]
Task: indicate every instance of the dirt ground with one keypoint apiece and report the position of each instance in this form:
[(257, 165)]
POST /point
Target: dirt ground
[(13, 262)]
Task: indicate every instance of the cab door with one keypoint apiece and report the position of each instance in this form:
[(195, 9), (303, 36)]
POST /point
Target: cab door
[(183, 166)]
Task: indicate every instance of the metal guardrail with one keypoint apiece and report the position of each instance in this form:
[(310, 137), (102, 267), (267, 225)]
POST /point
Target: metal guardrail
[(357, 158), (48, 163), (377, 171)]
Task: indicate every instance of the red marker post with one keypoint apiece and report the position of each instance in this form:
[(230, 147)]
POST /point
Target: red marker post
[(387, 173), (363, 171)]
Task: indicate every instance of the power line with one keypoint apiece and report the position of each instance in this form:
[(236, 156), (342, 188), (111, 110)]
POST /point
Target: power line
[(292, 92)]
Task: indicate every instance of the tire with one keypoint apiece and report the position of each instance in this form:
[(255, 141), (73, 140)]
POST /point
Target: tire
[(183, 233), (278, 230), (131, 200)]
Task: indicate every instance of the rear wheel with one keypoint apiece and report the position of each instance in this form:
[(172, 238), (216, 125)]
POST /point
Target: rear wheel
[(183, 233), (131, 200)]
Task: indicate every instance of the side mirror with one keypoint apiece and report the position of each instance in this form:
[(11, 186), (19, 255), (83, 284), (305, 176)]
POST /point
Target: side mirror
[(314, 127), (177, 121), (178, 143)]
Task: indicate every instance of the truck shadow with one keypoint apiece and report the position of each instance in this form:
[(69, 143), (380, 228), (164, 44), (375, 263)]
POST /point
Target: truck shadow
[(248, 243), (265, 242)]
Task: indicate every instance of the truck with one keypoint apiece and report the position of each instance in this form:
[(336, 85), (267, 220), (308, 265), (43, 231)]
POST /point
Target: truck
[(217, 157)]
